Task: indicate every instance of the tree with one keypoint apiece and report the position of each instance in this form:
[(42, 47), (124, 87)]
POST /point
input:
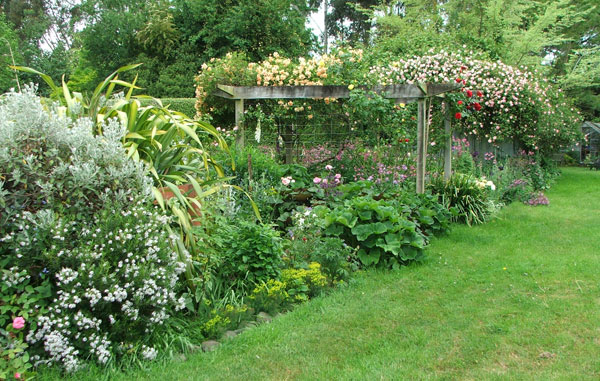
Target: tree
[(9, 49), (257, 27)]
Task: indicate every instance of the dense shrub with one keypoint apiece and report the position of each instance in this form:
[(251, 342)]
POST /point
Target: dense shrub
[(83, 249), (430, 216), (253, 252), (518, 190)]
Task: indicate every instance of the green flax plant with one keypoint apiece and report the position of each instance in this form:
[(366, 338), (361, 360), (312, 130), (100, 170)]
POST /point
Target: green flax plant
[(172, 145)]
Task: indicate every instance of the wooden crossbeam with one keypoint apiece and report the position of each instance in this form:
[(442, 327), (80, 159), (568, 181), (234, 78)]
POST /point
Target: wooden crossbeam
[(409, 93)]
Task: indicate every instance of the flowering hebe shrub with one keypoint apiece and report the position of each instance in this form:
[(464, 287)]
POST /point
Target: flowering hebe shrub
[(81, 246), (113, 276)]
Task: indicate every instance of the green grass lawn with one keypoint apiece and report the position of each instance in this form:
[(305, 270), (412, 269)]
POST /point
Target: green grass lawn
[(517, 298)]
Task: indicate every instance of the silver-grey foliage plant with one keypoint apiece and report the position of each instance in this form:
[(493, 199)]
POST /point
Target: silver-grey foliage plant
[(52, 159)]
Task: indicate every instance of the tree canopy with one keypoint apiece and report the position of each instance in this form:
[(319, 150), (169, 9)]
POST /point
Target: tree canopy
[(88, 39)]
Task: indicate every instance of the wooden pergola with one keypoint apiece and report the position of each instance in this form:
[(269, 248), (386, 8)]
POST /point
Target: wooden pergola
[(405, 93)]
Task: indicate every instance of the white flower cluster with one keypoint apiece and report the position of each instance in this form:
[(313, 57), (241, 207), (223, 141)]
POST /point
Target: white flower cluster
[(13, 277), (116, 275), (305, 220), (482, 183), (148, 353)]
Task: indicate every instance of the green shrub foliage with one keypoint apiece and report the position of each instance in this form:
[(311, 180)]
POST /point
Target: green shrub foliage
[(253, 252), (185, 106), (383, 236)]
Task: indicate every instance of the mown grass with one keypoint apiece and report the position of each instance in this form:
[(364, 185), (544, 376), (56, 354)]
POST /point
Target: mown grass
[(517, 298)]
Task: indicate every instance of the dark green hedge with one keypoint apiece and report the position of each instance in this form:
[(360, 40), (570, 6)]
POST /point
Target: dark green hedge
[(184, 105)]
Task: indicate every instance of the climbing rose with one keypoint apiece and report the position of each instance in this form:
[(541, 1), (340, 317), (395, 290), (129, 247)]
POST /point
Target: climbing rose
[(458, 115), (458, 80), (479, 94), (460, 102), (477, 106), (18, 376), (469, 93), (18, 323)]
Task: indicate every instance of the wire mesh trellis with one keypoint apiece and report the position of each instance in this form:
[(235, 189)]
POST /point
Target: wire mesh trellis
[(293, 133)]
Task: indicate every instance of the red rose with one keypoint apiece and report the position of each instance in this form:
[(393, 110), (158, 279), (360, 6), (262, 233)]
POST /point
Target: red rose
[(463, 68), (460, 102), (407, 140), (469, 93), (458, 80), (304, 239), (468, 107), (479, 94), (458, 115), (477, 106)]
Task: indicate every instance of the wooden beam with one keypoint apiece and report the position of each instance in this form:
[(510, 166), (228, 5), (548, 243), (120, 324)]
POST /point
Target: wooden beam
[(448, 145), (405, 92)]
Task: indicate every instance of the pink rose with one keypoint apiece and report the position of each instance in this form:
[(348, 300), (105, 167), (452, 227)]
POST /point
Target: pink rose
[(328, 167), (18, 376), (317, 180), (18, 322)]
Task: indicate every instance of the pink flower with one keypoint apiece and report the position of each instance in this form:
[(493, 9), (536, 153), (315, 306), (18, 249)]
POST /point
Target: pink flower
[(18, 376), (317, 180), (328, 167), (18, 322)]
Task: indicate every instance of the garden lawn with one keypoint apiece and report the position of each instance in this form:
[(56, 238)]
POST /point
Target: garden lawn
[(517, 298)]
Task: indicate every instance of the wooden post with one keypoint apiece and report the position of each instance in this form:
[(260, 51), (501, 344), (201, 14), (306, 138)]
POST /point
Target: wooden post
[(420, 145), (239, 115), (448, 147)]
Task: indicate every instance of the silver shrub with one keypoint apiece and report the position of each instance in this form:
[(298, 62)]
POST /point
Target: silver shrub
[(59, 160)]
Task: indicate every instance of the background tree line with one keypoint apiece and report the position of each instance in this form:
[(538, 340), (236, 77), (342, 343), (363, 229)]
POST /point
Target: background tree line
[(88, 39)]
